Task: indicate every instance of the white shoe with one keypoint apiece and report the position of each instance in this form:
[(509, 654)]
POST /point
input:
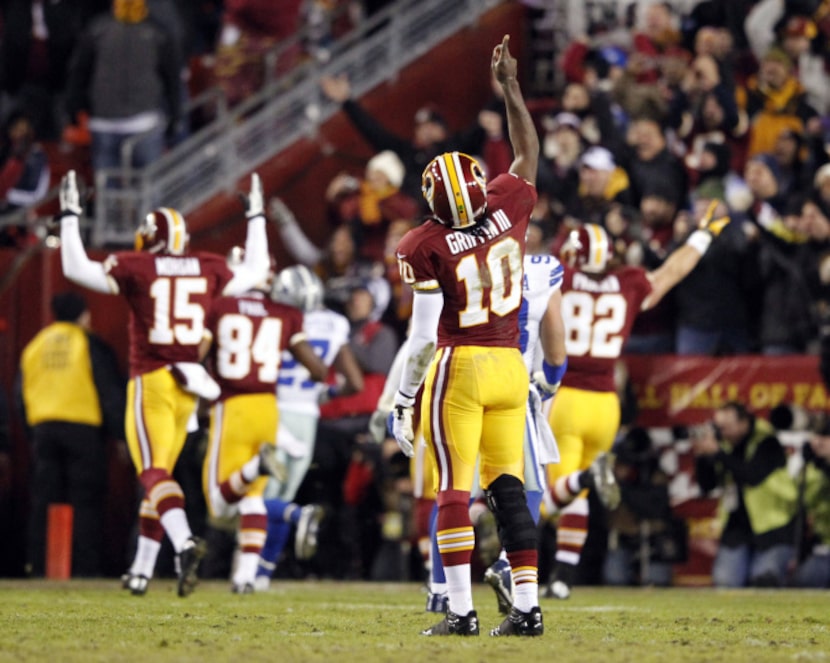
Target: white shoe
[(602, 469), (262, 583), (305, 539), (559, 590)]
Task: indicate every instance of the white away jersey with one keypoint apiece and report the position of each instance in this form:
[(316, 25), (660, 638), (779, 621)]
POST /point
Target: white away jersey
[(327, 332), (542, 276)]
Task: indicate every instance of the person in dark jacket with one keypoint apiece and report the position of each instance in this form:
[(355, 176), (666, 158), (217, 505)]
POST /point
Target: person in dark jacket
[(72, 396), (125, 72)]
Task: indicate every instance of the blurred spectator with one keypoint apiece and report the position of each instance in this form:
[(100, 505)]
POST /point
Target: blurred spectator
[(430, 134), (338, 265), (72, 395), (250, 29), (651, 161), (712, 311), (24, 175), (659, 33), (601, 184), (774, 100), (643, 539), (125, 72), (558, 176), (741, 454), (36, 43), (368, 207)]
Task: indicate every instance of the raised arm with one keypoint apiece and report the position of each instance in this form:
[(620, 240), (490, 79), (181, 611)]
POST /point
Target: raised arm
[(75, 262), (520, 127), (254, 268), (685, 258)]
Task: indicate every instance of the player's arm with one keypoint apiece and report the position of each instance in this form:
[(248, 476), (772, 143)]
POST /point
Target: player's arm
[(523, 136), (420, 348), (377, 422), (304, 353), (346, 365), (552, 337), (685, 258), (75, 262), (254, 267)]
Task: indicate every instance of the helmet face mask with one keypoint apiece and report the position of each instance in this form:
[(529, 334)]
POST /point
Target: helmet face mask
[(163, 231), (588, 248), (298, 286), (455, 187)]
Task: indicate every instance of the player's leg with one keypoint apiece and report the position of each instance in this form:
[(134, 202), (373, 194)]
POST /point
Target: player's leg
[(504, 396), (452, 418), (295, 449), (585, 424), (155, 428)]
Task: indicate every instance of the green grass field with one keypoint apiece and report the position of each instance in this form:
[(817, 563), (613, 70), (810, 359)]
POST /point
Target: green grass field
[(329, 621)]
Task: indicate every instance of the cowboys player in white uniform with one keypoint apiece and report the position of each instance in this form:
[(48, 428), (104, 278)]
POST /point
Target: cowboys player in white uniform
[(542, 338), (299, 400)]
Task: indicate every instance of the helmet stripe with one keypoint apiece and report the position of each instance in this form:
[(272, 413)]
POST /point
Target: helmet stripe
[(597, 248), (177, 233), (462, 204)]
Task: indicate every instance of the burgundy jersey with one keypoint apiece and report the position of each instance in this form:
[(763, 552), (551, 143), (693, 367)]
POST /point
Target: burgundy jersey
[(598, 314), (169, 297), (478, 269), (250, 333)]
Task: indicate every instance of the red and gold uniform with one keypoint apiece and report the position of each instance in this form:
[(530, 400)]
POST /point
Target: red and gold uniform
[(475, 391), (250, 333), (169, 297), (598, 312)]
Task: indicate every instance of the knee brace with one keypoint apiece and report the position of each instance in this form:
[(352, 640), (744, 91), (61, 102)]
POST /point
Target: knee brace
[(506, 499)]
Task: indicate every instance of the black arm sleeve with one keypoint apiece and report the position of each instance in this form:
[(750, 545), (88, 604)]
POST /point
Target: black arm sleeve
[(373, 131), (707, 472)]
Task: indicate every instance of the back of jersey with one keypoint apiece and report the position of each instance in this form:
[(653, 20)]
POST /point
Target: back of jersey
[(169, 297), (542, 277), (250, 333), (327, 332)]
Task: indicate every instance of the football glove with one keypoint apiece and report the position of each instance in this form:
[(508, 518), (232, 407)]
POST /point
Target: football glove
[(709, 223), (254, 203), (70, 199), (402, 429), (549, 378), (378, 425)]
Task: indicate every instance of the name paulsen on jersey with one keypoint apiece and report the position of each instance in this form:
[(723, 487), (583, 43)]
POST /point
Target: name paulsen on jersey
[(609, 284), (172, 266), (459, 241)]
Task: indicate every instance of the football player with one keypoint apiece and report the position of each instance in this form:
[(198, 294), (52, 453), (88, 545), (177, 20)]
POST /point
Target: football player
[(465, 268), (299, 399), (599, 305), (249, 333), (169, 290), (542, 339)]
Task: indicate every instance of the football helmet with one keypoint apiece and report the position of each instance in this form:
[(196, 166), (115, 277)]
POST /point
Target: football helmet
[(300, 287), (163, 231), (587, 248), (455, 187)]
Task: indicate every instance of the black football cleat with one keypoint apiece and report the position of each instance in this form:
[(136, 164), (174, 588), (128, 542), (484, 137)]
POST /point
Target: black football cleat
[(188, 565), (521, 623), (454, 624)]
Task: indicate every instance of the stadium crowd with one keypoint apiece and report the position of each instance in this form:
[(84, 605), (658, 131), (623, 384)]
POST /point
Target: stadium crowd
[(665, 109)]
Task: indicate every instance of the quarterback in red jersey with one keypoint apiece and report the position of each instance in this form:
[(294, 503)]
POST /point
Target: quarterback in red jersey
[(599, 306), (169, 291), (249, 333), (465, 268)]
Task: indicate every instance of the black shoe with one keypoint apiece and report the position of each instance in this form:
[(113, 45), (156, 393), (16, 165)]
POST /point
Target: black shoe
[(188, 564), (521, 623), (246, 588), (454, 624)]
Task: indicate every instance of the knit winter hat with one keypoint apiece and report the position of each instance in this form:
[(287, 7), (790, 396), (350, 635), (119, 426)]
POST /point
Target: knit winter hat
[(388, 163)]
